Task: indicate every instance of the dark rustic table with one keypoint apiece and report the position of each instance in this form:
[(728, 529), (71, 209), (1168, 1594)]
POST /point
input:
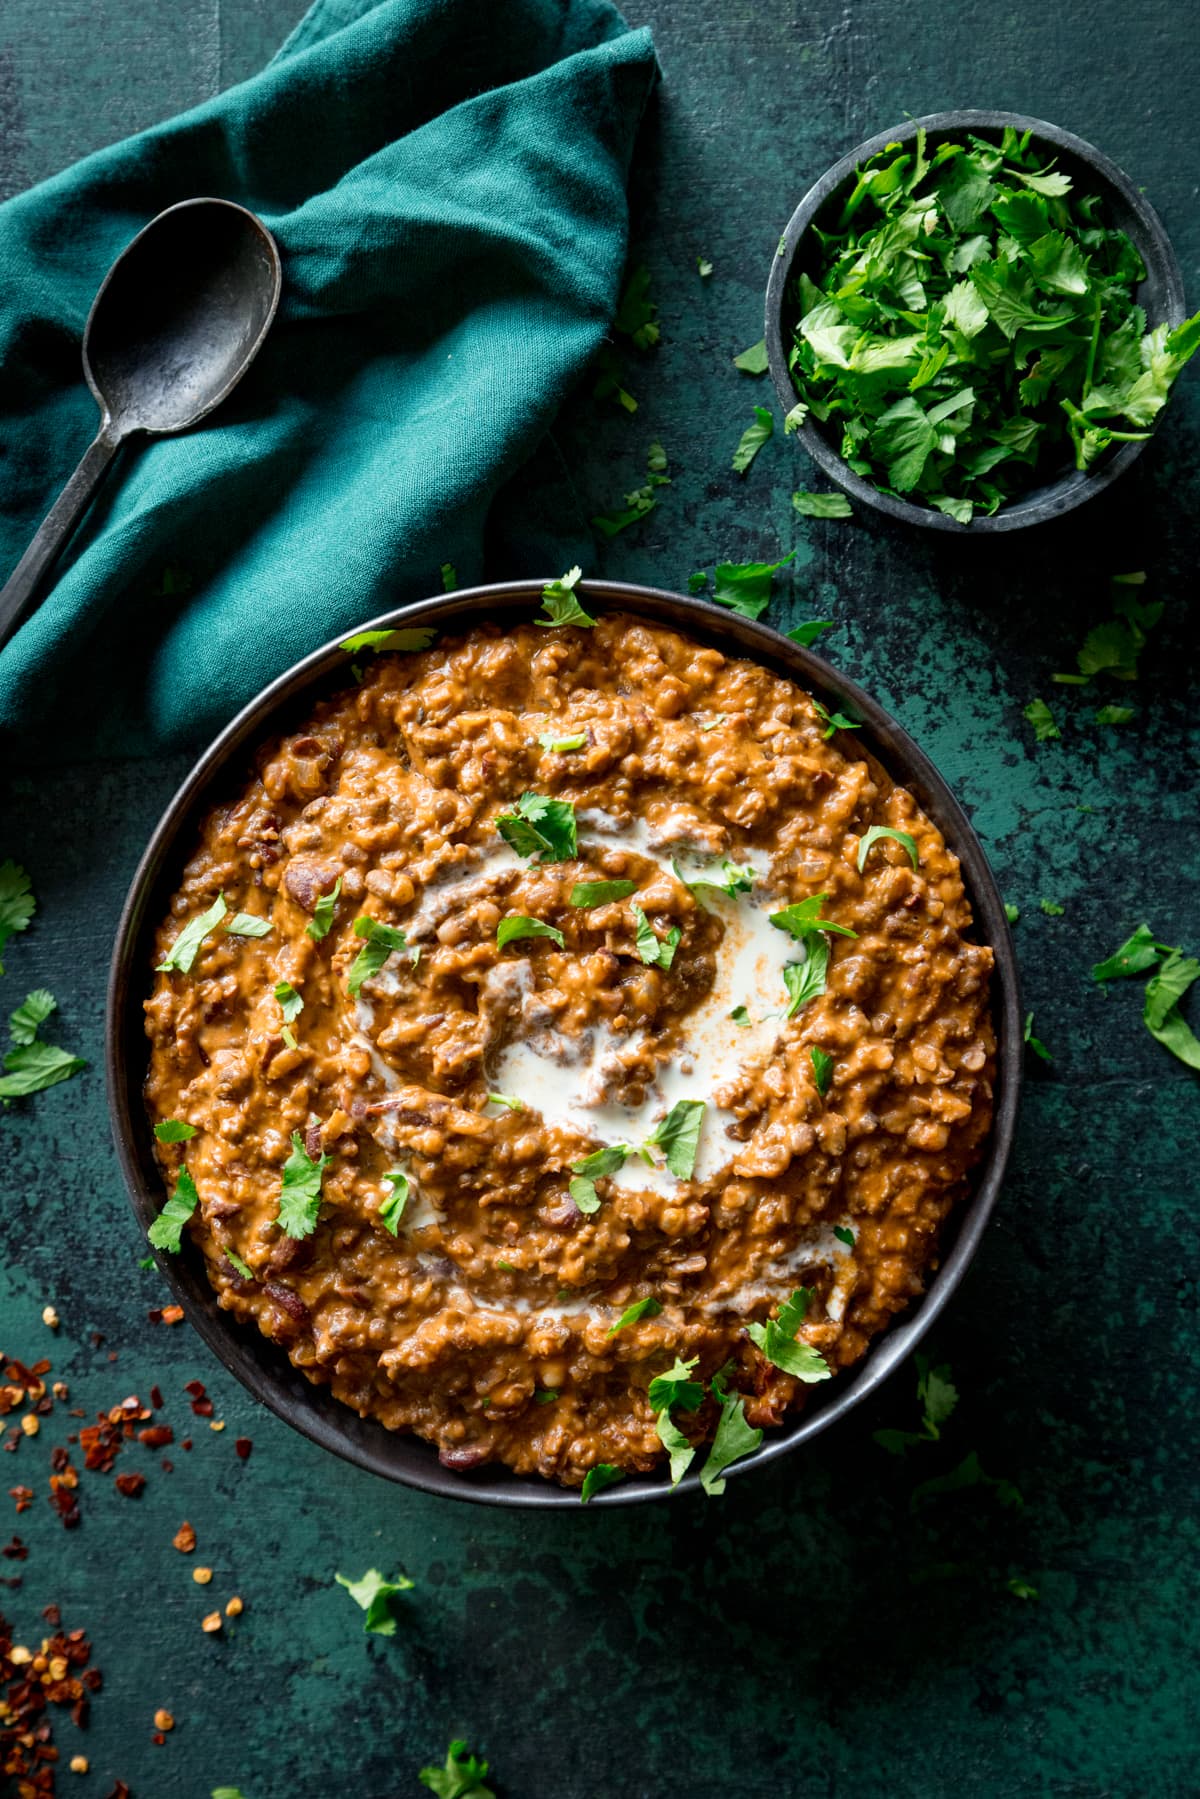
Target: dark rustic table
[(820, 1630)]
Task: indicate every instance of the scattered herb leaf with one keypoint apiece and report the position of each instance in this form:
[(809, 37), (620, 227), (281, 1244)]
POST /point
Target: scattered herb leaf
[(540, 827), (17, 904), (1041, 718), (323, 911), (182, 952), (876, 834), (604, 1474), (678, 1136), (822, 1069), (374, 1595), (641, 1308), (166, 1233), (174, 1130), (561, 603), (379, 942), (822, 505), (600, 893), (509, 929), (290, 1002), (752, 439), (300, 1193)]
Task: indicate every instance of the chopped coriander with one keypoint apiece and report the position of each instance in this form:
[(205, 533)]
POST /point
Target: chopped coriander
[(243, 1268), (540, 827), (641, 501), (1113, 647), (655, 951), (323, 912), (592, 1168), (822, 1069), (300, 1193), (1115, 715), (1039, 715), (1011, 912), (795, 418), (373, 1594), (704, 267), (182, 952), (806, 980), (146, 1264), (461, 1778), (245, 924), (777, 1341), (506, 1267), (1138, 953), (752, 439), (449, 576), (561, 602), (1020, 1588), (610, 377), (636, 312), (1050, 908), (289, 1036), (698, 580), (678, 1136), (937, 1396), (413, 637), (508, 1100), (729, 878), (543, 1395), (834, 721), (290, 1002), (822, 505), (392, 1209), (745, 587), (1038, 1048), (561, 746), (968, 1473), (379, 942), (806, 635), (31, 1014), (166, 1233), (1163, 1019), (227, 1793), (32, 1067), (17, 904), (602, 1475), (876, 834), (174, 1130), (518, 925), (740, 1015), (676, 1388), (804, 919), (600, 893), (641, 1308), (844, 1235), (734, 1439), (680, 1451), (754, 360)]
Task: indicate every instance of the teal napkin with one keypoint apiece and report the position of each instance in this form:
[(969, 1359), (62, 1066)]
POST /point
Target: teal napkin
[(446, 182)]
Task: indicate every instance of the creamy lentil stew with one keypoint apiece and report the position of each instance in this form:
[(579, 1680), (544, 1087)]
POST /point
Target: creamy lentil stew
[(466, 1081)]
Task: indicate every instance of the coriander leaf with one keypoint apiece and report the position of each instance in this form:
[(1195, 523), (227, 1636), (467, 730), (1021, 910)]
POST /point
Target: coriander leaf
[(589, 1170), (461, 1778), (226, 1792), (380, 941), (600, 893), (754, 360), (1164, 1021), (968, 1473), (242, 1268), (1050, 908), (548, 1395), (412, 637), (246, 924), (17, 904), (822, 1069), (182, 952), (1114, 715), (903, 439), (876, 834), (745, 587), (777, 1341), (681, 1452), (822, 505), (1038, 1048), (290, 1002), (641, 1308), (806, 980), (740, 1015), (323, 912), (1138, 953), (518, 925), (678, 1136), (374, 1595), (32, 1013), (561, 603), (392, 1209), (540, 827), (733, 879), (449, 576), (509, 1100), (1019, 1588), (844, 1235), (834, 721), (752, 439), (704, 267), (300, 1193), (807, 634), (734, 1439), (602, 1475), (174, 1130), (32, 1067), (803, 919), (676, 1388), (795, 418), (559, 746), (698, 580), (937, 1393), (1058, 264), (1041, 718), (1011, 912), (636, 312), (166, 1233), (655, 951)]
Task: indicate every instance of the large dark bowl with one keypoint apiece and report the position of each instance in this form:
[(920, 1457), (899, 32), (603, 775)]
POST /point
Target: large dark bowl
[(1160, 294), (259, 1364)]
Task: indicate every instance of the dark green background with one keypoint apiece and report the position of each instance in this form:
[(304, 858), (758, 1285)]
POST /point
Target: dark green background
[(809, 1634)]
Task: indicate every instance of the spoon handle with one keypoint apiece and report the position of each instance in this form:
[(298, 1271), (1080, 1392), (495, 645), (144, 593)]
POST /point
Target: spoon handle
[(18, 597)]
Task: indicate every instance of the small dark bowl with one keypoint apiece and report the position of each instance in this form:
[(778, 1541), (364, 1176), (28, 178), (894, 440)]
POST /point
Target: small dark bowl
[(262, 1367), (1160, 294)]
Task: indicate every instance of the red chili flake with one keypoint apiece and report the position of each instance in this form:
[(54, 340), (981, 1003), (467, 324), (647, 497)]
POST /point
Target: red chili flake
[(16, 1551), (42, 1367), (172, 1314), (242, 1447), (44, 1406), (120, 1791), (112, 1355), (156, 1399), (195, 1388), (155, 1315), (158, 1738), (63, 1499), (130, 1484), (156, 1436), (167, 1467), (203, 1408), (59, 1459), (186, 1444), (23, 1497), (52, 1615), (101, 1444), (12, 1440)]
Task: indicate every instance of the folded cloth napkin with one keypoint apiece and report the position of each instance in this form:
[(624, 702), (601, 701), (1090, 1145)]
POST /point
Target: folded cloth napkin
[(446, 182)]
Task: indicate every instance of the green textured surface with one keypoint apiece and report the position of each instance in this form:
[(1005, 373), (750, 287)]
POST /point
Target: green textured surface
[(809, 1634)]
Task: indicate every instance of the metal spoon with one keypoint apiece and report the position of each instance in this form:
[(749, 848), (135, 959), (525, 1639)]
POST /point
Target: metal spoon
[(178, 320)]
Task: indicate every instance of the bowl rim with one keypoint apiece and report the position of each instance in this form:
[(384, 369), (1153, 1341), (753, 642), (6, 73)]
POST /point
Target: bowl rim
[(261, 1366), (1075, 486)]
